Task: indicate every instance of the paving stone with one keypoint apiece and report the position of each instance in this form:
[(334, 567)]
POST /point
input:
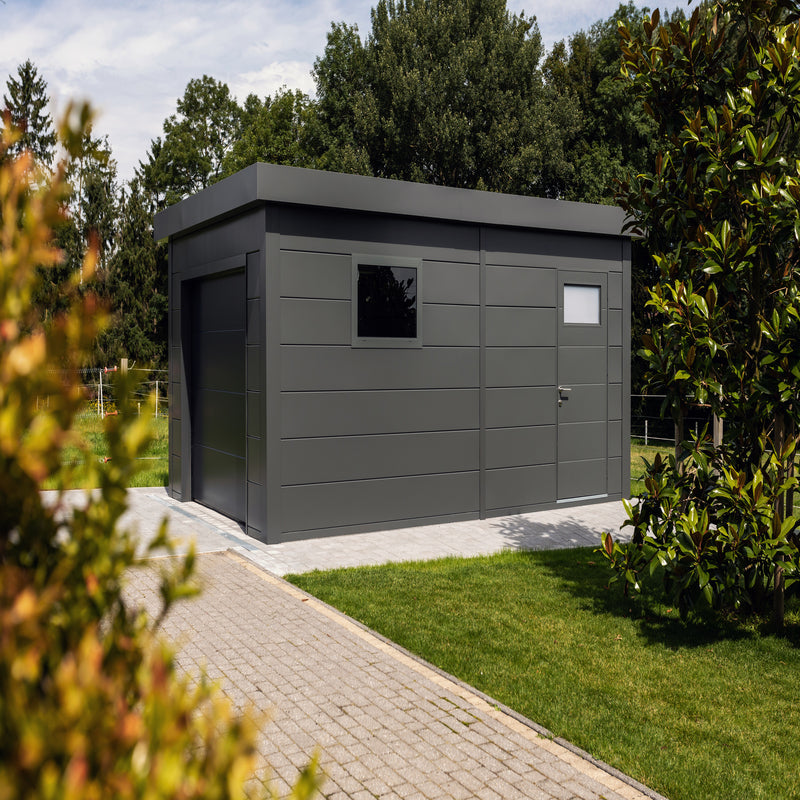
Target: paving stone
[(386, 725)]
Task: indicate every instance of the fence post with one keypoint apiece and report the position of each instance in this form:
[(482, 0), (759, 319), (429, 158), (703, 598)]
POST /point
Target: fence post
[(100, 404), (123, 365), (645, 433), (156, 399)]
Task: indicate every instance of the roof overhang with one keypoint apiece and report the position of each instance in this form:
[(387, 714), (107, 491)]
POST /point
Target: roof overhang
[(271, 183)]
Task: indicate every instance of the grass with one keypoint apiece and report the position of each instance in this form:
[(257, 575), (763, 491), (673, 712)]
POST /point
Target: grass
[(154, 465), (639, 451), (691, 710)]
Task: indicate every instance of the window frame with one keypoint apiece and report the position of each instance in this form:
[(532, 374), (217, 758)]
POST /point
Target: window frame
[(387, 342)]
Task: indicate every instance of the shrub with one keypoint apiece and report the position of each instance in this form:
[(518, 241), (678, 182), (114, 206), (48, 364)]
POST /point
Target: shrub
[(91, 704)]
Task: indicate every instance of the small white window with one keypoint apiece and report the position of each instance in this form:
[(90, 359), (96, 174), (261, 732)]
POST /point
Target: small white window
[(581, 305)]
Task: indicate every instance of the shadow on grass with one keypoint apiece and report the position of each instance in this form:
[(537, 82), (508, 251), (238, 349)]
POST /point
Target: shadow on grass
[(584, 574)]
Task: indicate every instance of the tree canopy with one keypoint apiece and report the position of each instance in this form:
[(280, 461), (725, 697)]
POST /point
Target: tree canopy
[(443, 91)]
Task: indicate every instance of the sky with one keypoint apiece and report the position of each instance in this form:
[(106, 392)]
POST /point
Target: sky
[(132, 59)]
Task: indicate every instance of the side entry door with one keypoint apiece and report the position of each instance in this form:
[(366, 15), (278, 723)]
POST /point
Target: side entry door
[(582, 389)]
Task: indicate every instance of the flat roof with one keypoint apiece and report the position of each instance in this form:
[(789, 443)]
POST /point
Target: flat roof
[(271, 183)]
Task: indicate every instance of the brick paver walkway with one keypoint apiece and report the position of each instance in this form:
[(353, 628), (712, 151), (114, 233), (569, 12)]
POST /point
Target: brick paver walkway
[(387, 726)]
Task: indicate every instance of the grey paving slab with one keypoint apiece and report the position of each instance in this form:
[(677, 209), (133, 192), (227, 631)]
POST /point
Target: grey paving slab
[(386, 724), (212, 532)]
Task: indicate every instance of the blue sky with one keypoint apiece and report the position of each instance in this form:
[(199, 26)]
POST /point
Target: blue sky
[(133, 58)]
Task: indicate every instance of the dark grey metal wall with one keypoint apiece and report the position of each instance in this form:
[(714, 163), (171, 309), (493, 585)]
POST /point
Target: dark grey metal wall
[(505, 407)]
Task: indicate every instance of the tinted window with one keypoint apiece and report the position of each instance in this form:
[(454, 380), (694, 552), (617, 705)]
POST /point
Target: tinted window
[(387, 302)]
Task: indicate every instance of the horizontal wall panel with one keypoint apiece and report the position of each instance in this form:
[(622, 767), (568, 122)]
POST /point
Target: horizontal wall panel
[(316, 275), (520, 286), (450, 326), (256, 506), (345, 368), (615, 401), (233, 237), (255, 414), (520, 447), (520, 366), (615, 477), (615, 365), (254, 279), (255, 368), (615, 328), (520, 327), (581, 479), (174, 400), (508, 408), (255, 460), (582, 440), (175, 328), (175, 439), (347, 232), (615, 290), (254, 321), (449, 282), (523, 486), (175, 365), (582, 365), (585, 403), (344, 458), (315, 321), (573, 251), (324, 505), (313, 414), (615, 439), (175, 472)]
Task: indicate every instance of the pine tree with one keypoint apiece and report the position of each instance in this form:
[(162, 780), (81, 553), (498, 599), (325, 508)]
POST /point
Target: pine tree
[(25, 110)]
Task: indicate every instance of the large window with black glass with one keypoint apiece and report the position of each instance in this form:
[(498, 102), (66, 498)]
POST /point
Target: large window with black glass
[(387, 302)]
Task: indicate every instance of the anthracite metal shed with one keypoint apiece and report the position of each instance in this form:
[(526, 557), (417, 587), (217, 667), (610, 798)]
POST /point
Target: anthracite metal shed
[(352, 353)]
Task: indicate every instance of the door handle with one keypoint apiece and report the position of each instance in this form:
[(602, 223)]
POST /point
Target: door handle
[(562, 390)]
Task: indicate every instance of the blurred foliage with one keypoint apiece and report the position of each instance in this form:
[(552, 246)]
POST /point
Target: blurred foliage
[(91, 704)]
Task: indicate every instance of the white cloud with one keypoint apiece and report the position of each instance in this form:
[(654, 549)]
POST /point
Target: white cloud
[(134, 59)]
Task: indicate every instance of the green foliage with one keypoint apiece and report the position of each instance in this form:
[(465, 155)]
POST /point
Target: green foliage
[(91, 705), (720, 213), (273, 131), (196, 140), (615, 135), (442, 92), (710, 531), (25, 109), (137, 289)]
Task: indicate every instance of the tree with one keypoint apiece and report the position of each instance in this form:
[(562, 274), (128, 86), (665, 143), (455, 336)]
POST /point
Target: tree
[(25, 111), (91, 704), (137, 288), (720, 212), (443, 91), (272, 130), (196, 140), (615, 134), (91, 216)]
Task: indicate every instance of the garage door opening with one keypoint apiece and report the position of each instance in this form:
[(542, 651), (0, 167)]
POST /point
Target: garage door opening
[(218, 393)]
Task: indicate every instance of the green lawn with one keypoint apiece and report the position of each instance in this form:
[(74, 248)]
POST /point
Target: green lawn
[(154, 465), (686, 709)]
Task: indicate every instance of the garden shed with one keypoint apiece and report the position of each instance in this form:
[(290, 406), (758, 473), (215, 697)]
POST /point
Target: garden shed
[(351, 353)]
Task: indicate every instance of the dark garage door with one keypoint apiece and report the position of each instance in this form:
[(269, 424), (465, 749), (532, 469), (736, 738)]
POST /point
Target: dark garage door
[(218, 394)]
